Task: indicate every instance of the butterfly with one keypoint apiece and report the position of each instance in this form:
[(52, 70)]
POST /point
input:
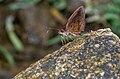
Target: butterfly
[(75, 24)]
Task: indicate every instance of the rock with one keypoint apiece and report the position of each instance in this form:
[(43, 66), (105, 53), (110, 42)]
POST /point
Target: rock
[(93, 55)]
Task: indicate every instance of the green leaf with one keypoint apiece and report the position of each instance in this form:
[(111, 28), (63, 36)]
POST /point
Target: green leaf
[(111, 16), (109, 8), (7, 55), (12, 35), (54, 40), (59, 38), (115, 1)]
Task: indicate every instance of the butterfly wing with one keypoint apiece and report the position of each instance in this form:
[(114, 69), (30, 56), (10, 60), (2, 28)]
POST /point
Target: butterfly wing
[(76, 22)]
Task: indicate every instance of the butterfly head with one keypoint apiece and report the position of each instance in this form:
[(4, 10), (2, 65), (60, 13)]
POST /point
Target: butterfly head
[(63, 32)]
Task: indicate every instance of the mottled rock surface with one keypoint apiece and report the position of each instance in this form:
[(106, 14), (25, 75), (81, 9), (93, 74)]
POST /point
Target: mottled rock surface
[(95, 55)]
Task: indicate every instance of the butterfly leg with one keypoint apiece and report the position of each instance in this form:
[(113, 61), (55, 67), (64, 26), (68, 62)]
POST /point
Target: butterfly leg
[(71, 37), (67, 39), (63, 40), (93, 33)]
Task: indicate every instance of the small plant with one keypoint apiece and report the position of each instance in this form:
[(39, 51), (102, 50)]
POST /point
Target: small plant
[(107, 12)]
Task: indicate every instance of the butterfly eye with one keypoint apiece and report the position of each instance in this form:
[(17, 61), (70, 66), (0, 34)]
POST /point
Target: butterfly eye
[(62, 30), (78, 34)]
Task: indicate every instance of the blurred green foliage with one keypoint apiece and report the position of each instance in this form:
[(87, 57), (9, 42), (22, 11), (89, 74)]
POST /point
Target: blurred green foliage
[(12, 35), (58, 4), (54, 40), (111, 13), (1, 0), (7, 55), (22, 4), (59, 38)]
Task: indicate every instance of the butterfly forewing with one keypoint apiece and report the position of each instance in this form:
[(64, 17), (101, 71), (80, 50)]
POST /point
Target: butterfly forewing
[(76, 22)]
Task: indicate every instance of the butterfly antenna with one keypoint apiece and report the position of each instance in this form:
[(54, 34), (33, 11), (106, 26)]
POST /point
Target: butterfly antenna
[(51, 28)]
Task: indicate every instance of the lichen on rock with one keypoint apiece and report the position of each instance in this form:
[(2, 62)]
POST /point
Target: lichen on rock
[(94, 55)]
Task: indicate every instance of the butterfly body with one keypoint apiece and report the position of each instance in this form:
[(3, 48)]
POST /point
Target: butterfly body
[(65, 33)]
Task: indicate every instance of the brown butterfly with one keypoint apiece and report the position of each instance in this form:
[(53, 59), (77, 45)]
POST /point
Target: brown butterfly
[(75, 24)]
